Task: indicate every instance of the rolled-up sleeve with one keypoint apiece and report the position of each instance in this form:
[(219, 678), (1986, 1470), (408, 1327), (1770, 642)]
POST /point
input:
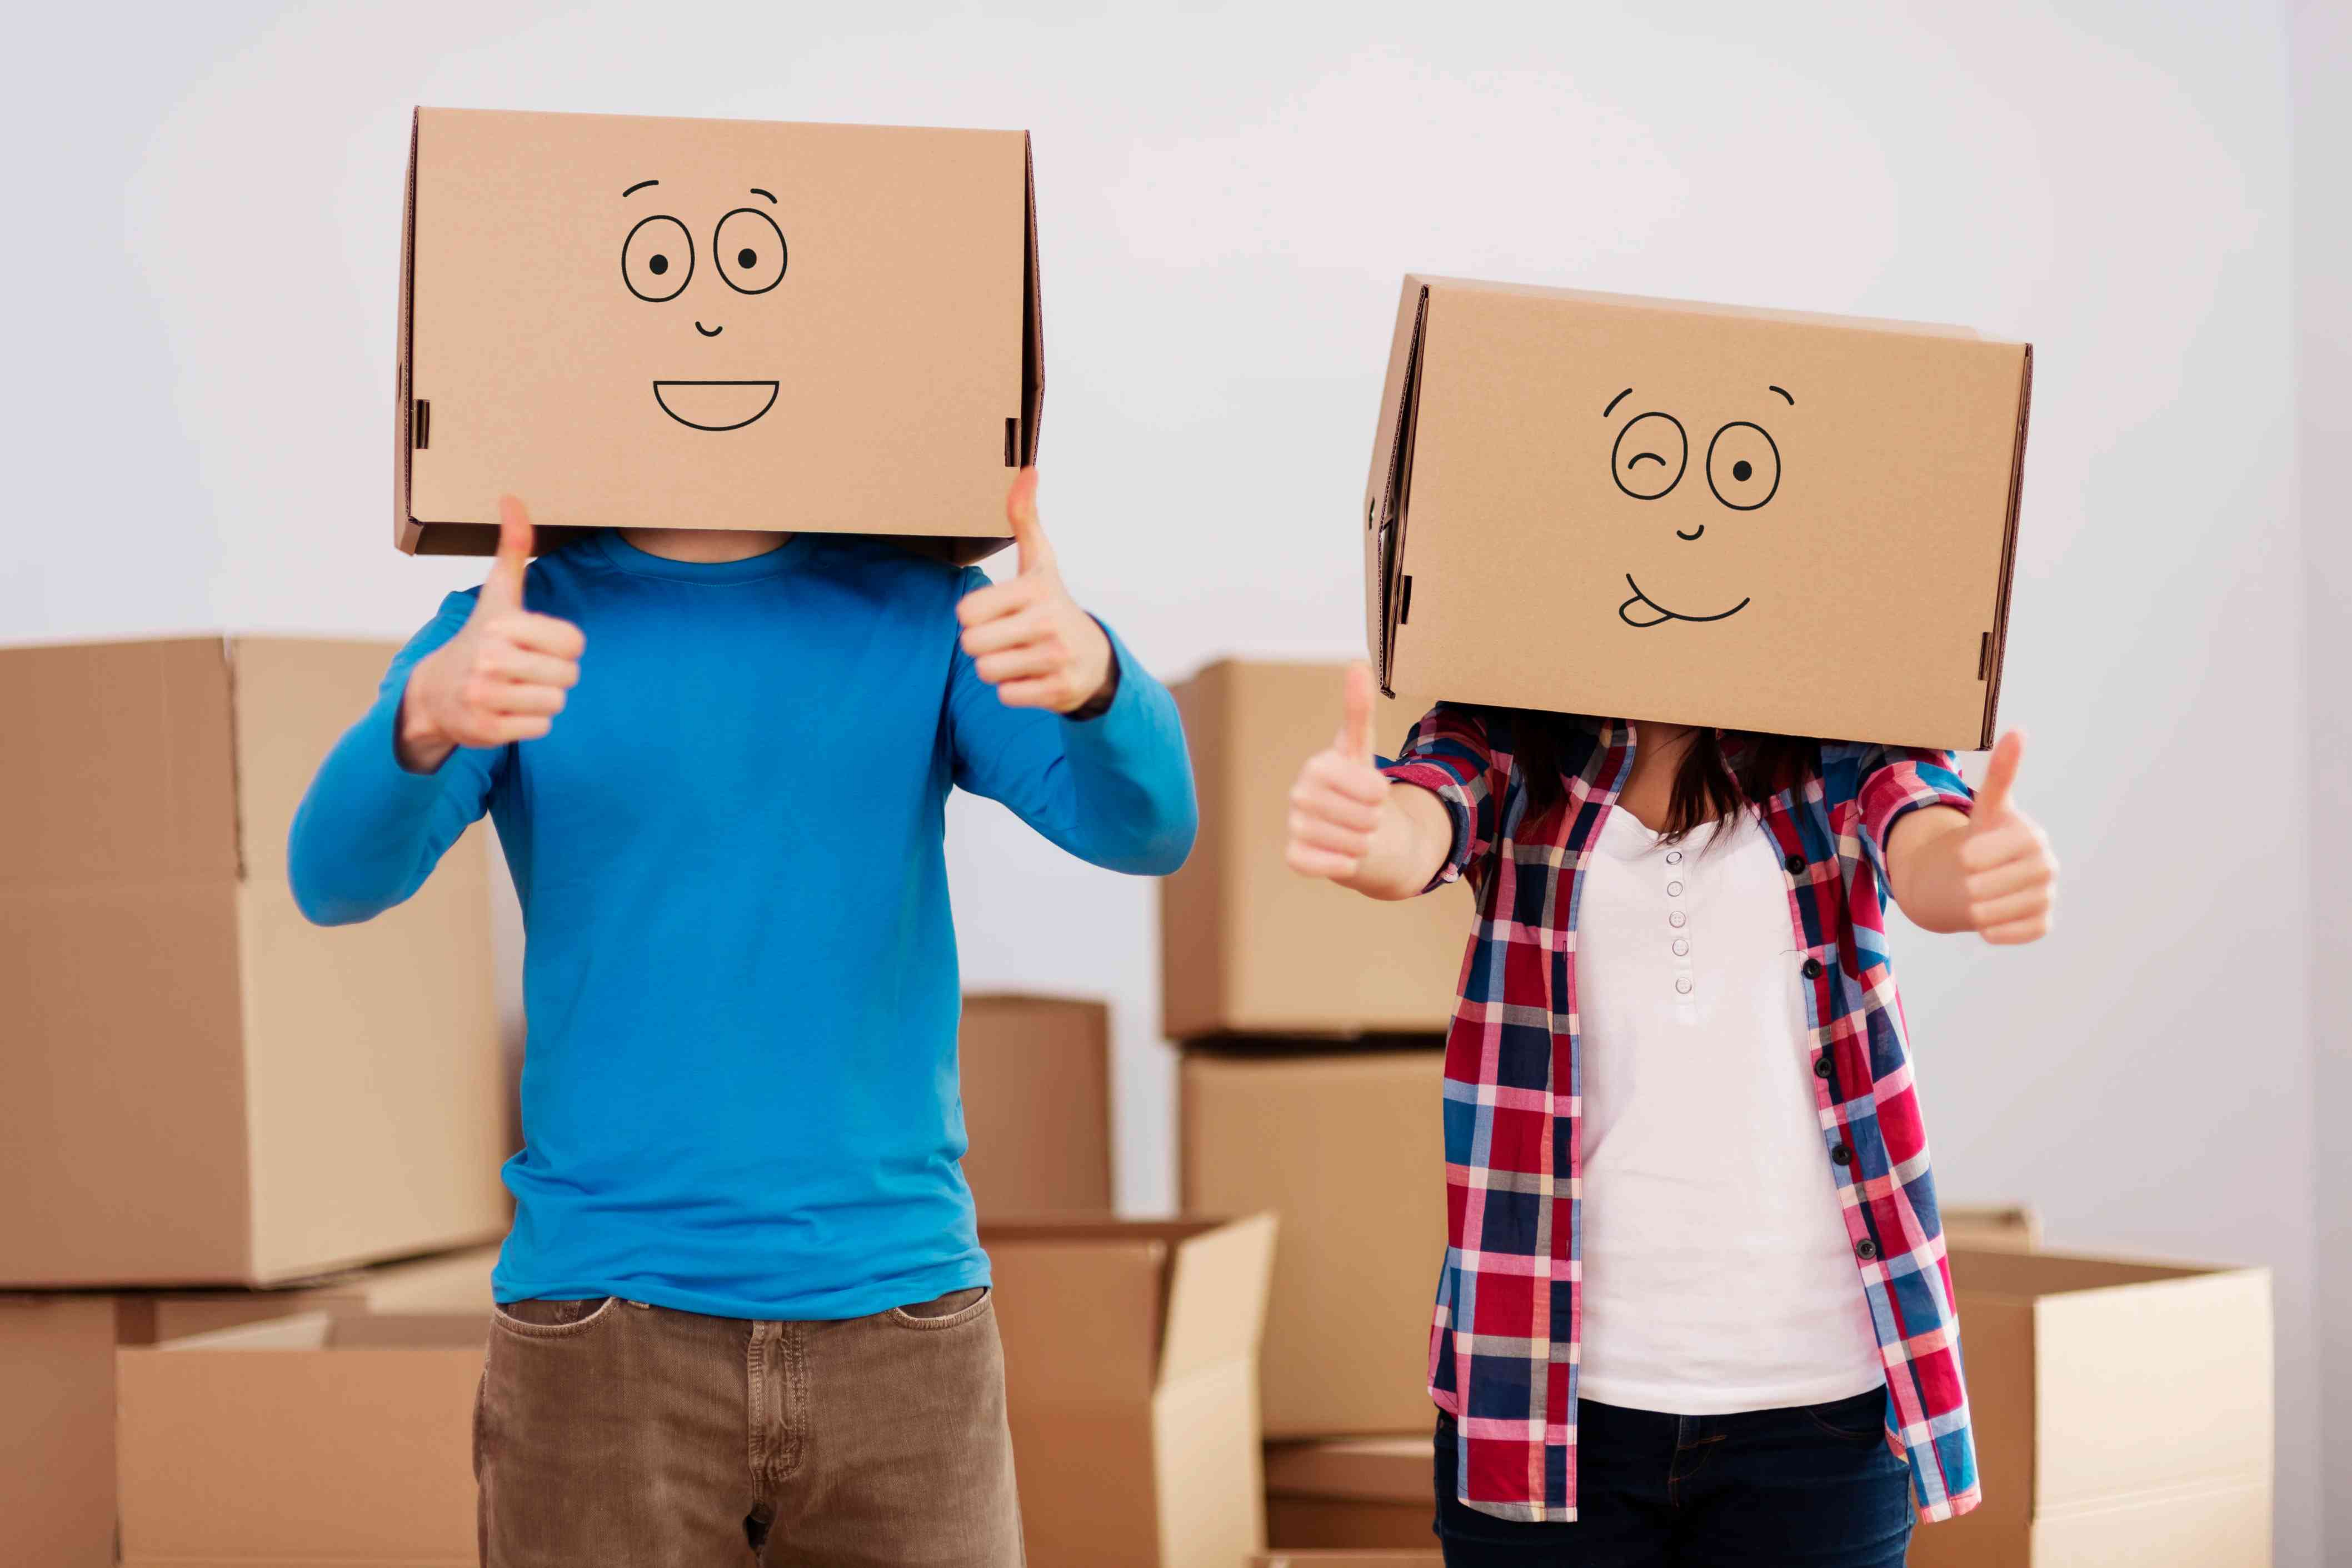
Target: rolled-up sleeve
[(1897, 781), (1451, 754)]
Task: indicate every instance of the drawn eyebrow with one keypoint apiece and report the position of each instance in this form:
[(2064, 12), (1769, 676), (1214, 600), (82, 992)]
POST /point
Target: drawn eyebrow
[(757, 192), (1615, 401), (1792, 401), (640, 185)]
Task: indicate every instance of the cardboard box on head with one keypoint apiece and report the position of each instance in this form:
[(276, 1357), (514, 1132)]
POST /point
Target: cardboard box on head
[(714, 323), (1646, 508)]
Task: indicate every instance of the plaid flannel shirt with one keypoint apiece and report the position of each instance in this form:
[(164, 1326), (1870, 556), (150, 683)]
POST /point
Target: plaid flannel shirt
[(1504, 1344)]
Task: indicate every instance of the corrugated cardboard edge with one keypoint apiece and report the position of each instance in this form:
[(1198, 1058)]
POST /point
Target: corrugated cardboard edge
[(405, 534), (2008, 553), (1384, 543)]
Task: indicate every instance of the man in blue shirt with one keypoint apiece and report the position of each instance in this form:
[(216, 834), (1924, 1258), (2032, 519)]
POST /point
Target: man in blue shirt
[(743, 1307)]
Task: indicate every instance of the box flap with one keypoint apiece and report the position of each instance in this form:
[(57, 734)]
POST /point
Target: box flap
[(407, 419), (2183, 1365), (254, 1452), (718, 323), (1365, 1469), (1392, 484), (1217, 1298), (1997, 640), (1079, 1308), (121, 754)]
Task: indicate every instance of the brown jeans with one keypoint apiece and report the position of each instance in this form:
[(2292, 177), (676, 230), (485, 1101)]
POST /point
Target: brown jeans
[(609, 1433)]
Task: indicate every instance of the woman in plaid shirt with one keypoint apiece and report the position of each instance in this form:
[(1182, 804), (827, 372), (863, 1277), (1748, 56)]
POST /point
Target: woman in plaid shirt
[(1694, 1308)]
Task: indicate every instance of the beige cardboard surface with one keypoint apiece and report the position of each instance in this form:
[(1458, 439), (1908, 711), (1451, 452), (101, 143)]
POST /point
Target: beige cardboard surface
[(312, 1439), (1348, 1148), (1660, 509), (1036, 1104), (56, 1408), (1978, 1225), (2123, 1414), (1348, 1559), (1246, 946), (57, 1431), (714, 323), (1129, 1365), (231, 1095), (1352, 1492)]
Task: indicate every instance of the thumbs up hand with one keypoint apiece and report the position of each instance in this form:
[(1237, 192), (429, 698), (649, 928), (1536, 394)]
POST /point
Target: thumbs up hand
[(2011, 876), (1335, 806), (1026, 636), (502, 678)]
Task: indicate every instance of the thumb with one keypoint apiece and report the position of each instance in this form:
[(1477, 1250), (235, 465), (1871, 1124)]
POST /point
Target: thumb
[(1028, 534), (502, 589), (2001, 776), (1355, 739)]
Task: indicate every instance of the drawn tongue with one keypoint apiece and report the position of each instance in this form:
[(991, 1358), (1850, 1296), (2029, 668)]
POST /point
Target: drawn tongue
[(1638, 610)]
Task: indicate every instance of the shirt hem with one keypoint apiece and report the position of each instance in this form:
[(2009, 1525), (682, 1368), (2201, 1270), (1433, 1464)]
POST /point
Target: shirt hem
[(1668, 1400), (833, 1306)]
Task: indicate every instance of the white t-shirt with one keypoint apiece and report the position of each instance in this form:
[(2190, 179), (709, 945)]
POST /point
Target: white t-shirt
[(1717, 1272)]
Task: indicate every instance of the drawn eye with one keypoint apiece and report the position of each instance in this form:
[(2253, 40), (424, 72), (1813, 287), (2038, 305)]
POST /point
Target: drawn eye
[(1650, 455), (751, 251), (658, 259), (1743, 466)]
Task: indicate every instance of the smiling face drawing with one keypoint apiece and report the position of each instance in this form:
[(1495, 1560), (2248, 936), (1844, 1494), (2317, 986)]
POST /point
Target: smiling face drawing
[(1648, 459), (658, 260)]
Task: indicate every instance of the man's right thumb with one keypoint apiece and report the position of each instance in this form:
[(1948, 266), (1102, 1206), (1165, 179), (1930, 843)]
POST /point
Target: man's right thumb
[(502, 589), (1355, 713)]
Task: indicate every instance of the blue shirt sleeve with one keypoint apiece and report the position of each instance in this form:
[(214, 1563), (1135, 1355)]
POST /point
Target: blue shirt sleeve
[(369, 832), (1114, 790)]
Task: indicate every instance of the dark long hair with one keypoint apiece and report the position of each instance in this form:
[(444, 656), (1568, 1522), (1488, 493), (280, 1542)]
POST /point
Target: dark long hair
[(1720, 774)]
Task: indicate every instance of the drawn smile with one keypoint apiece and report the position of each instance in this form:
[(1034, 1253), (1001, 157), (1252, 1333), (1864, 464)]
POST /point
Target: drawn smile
[(1641, 610), (707, 332), (714, 405)]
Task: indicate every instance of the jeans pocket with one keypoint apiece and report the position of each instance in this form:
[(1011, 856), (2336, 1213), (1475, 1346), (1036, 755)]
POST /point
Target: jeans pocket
[(1860, 1420), (551, 1320), (951, 1310)]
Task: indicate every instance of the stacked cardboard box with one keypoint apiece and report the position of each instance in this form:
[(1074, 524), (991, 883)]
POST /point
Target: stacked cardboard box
[(233, 1109), (1036, 1104), (1311, 1022)]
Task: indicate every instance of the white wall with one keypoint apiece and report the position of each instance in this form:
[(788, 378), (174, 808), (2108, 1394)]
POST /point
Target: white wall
[(205, 252), (2322, 51)]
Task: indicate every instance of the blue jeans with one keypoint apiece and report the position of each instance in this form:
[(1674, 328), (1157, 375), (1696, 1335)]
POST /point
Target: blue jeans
[(1811, 1485)]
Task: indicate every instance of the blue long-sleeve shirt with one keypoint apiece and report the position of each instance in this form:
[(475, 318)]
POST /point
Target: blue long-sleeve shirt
[(740, 1094)]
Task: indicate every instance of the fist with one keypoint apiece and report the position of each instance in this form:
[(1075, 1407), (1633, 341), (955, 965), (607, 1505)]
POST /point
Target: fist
[(1027, 637), (2011, 876), (503, 677), (1335, 804)]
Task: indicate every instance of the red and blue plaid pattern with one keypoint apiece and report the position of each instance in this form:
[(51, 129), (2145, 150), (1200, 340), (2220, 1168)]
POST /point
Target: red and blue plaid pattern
[(1503, 1346)]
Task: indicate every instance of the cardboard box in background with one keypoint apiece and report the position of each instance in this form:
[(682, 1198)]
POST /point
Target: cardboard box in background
[(1600, 504), (225, 1086), (1130, 1373), (1432, 1558), (1246, 946), (313, 1438), (2016, 1226), (1347, 1149), (1354, 1493), (2123, 1415), (58, 1382), (713, 324), (1036, 1104)]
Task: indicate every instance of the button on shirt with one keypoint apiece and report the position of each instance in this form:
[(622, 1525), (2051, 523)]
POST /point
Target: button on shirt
[(1504, 1347), (1718, 1273)]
